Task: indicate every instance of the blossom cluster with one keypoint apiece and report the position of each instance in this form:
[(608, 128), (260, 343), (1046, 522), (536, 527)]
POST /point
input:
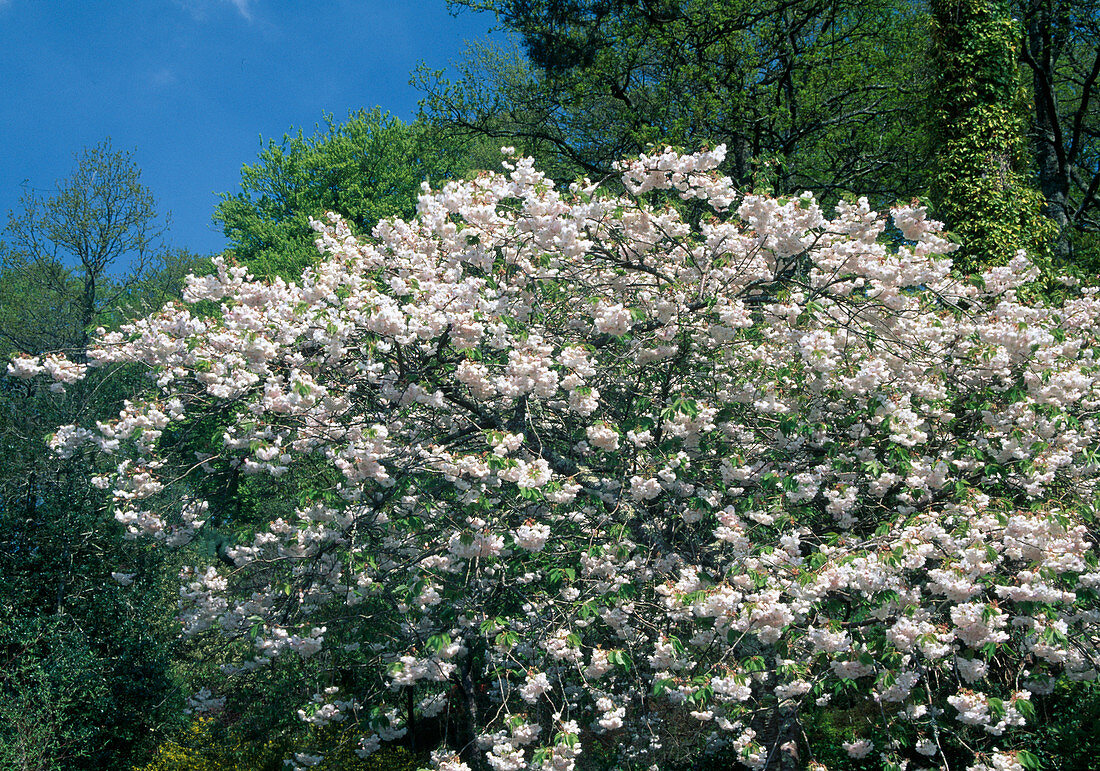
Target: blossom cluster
[(672, 465)]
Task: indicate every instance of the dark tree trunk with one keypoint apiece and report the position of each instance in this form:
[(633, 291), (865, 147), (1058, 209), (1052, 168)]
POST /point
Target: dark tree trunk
[(468, 722), (1052, 165)]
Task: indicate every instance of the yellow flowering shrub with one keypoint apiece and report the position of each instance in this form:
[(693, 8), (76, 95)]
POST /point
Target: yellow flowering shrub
[(207, 746)]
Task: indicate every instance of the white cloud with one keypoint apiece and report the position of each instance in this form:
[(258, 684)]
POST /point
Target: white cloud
[(200, 9), (242, 7), (161, 78)]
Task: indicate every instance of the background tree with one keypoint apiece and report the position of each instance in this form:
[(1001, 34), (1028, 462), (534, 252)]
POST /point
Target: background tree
[(1061, 49), (823, 90), (85, 668), (99, 218), (818, 94), (367, 168)]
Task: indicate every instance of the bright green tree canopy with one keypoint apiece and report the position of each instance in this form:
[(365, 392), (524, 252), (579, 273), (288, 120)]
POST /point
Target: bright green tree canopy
[(365, 169)]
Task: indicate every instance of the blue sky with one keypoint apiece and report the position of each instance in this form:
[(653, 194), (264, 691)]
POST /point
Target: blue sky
[(191, 85)]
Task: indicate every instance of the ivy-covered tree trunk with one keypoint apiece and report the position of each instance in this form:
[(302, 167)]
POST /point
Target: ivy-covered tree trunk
[(980, 186)]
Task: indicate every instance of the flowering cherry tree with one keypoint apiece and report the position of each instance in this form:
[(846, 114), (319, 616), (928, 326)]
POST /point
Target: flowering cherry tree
[(629, 477)]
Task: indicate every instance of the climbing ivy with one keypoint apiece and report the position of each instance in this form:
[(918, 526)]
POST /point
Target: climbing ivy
[(980, 185)]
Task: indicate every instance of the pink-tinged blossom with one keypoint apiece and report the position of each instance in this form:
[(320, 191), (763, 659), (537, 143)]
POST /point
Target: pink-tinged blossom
[(536, 685), (644, 489), (603, 437), (532, 536), (858, 749), (25, 367), (999, 761), (668, 476), (204, 702), (612, 319)]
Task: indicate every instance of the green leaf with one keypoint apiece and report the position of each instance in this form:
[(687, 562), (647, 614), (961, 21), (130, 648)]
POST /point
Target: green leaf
[(438, 642), (1028, 760), (662, 686)]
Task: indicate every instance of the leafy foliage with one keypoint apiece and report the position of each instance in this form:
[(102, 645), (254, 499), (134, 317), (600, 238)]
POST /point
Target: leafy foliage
[(814, 94), (85, 667), (367, 168)]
